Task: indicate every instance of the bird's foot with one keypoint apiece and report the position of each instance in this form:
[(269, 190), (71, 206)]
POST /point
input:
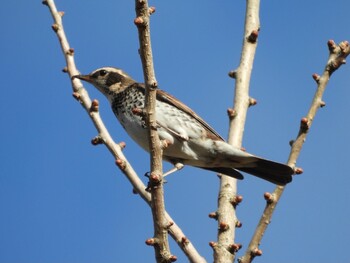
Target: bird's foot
[(151, 184)]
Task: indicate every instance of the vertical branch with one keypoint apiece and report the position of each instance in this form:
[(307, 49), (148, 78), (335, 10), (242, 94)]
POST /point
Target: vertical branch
[(337, 56), (161, 225), (224, 250)]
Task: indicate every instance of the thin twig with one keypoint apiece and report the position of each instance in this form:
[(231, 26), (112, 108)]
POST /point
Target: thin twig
[(337, 56), (81, 94), (226, 248)]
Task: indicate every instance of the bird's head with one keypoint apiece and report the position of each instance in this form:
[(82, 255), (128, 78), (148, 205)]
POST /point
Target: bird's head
[(108, 80)]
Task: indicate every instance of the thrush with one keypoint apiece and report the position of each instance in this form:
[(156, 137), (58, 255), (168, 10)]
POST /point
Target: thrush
[(191, 141)]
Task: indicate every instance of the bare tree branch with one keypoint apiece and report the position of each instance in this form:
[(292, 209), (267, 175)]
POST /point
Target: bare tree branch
[(337, 56), (91, 107), (225, 249), (160, 240), (81, 94)]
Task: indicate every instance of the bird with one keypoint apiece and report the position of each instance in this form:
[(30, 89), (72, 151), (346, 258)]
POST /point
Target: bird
[(191, 141)]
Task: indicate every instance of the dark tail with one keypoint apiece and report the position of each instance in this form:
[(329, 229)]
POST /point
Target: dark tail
[(273, 172)]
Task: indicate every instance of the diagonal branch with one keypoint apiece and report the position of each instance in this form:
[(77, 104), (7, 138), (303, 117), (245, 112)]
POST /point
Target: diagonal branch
[(225, 249), (160, 240), (91, 107), (337, 56)]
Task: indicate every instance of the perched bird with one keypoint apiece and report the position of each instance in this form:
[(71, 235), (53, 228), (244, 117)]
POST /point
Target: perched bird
[(191, 140)]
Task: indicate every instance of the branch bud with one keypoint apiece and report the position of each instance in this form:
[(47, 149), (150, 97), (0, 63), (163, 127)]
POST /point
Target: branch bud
[(223, 226), (291, 142), (231, 113), (150, 242), (269, 197), (331, 45), (94, 106), (233, 248), (252, 102), (122, 145), (120, 163), (65, 70), (55, 27), (70, 51), (213, 215), (257, 252), (138, 21), (344, 46), (253, 37), (184, 241), (238, 224), (232, 74), (96, 140), (154, 178), (316, 77), (151, 10), (154, 85), (298, 170), (236, 200), (304, 123), (45, 2), (172, 258), (212, 244), (61, 13)]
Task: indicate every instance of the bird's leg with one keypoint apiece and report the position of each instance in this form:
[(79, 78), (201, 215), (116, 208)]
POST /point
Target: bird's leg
[(177, 167)]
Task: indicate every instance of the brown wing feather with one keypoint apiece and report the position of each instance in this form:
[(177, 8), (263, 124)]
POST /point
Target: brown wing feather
[(167, 98)]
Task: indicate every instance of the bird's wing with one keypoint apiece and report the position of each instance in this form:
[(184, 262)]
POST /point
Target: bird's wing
[(167, 98)]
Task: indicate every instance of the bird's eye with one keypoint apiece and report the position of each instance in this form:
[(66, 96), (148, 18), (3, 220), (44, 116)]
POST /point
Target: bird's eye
[(103, 72)]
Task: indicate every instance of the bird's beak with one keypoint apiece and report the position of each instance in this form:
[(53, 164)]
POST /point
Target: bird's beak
[(83, 77)]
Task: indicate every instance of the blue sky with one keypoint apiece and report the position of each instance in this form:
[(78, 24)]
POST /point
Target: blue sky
[(63, 200)]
